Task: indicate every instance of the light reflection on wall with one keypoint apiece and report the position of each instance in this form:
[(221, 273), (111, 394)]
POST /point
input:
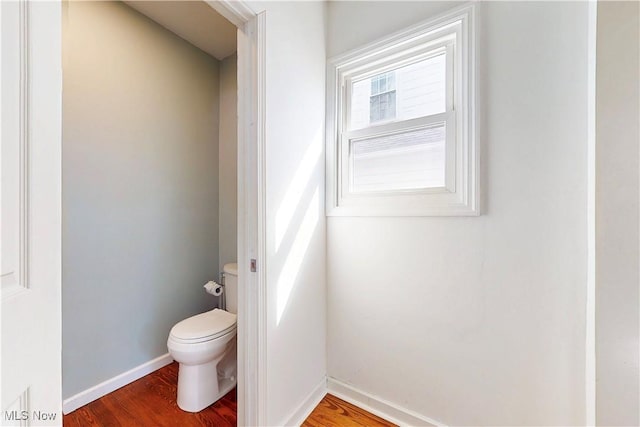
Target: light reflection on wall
[(296, 189), (297, 253)]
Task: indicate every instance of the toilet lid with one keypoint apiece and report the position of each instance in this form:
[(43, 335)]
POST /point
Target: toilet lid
[(208, 325)]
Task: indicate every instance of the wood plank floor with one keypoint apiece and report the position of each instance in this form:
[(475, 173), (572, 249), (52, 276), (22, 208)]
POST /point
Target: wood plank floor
[(335, 412), (151, 401)]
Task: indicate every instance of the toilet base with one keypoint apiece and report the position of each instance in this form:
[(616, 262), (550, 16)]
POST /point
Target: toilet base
[(199, 386)]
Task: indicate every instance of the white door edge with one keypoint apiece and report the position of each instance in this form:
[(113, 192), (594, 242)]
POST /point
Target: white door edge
[(252, 301)]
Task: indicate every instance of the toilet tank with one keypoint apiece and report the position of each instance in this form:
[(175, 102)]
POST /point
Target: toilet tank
[(231, 287)]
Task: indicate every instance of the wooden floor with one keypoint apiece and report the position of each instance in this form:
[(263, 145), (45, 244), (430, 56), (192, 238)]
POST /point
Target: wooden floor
[(151, 401), (334, 412)]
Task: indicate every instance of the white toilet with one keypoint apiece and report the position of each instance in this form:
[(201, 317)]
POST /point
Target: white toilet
[(205, 347)]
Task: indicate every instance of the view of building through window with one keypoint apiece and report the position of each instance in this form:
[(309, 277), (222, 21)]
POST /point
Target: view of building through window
[(400, 161), (408, 92), (408, 159), (382, 102)]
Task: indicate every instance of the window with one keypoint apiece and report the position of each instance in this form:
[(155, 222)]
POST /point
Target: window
[(401, 137)]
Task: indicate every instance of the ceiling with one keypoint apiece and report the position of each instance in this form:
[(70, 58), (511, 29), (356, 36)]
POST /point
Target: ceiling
[(195, 21)]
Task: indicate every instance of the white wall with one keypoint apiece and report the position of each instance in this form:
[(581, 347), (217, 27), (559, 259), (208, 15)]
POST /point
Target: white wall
[(140, 188), (296, 285), (372, 23), (478, 320), (617, 214), (228, 168)]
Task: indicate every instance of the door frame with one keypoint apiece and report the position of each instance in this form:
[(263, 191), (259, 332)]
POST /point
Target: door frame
[(252, 297)]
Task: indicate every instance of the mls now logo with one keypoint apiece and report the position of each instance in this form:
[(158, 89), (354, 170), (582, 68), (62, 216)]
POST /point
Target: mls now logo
[(24, 416)]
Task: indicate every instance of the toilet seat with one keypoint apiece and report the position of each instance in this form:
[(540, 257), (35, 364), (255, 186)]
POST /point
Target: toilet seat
[(204, 327)]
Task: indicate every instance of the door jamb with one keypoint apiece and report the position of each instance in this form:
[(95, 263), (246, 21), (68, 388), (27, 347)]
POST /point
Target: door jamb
[(252, 297)]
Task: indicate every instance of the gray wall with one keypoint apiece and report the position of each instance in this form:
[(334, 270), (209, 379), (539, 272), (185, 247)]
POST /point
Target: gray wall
[(140, 188), (228, 160), (617, 213)]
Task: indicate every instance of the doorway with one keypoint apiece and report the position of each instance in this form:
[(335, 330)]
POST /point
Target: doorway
[(35, 56), (246, 221)]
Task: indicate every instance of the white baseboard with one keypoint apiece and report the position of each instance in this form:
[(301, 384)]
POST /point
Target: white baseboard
[(378, 406), (96, 392), (308, 405)]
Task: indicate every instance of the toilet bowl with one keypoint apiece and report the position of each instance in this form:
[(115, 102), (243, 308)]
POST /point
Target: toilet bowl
[(204, 345)]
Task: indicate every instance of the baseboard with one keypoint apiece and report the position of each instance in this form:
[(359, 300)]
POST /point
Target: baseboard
[(308, 405), (96, 392), (378, 406)]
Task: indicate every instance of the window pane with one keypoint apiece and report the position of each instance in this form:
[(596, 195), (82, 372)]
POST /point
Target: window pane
[(383, 83), (383, 106), (409, 160), (375, 85), (420, 90)]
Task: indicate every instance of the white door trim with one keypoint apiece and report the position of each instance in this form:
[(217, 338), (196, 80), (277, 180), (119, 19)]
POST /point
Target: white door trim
[(252, 297), (590, 308)]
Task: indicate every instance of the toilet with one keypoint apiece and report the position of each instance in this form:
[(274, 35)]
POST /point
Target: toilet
[(205, 347)]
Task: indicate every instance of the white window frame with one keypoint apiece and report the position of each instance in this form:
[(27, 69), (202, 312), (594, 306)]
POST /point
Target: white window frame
[(453, 33)]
